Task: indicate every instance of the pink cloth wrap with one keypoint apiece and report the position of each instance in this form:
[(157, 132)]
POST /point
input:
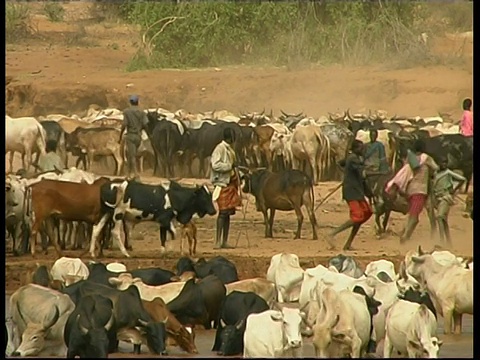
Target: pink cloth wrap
[(403, 176), (466, 124)]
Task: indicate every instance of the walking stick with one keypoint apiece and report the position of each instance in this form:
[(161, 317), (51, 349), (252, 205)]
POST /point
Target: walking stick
[(329, 195)]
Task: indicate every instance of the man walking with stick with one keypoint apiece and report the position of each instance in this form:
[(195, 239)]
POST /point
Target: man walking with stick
[(354, 192)]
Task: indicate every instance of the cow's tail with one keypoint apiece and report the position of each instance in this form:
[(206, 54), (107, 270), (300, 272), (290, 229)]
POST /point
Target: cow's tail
[(120, 194), (328, 153), (41, 139)]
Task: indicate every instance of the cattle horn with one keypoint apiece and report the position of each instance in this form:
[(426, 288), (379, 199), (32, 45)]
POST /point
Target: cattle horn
[(142, 322), (53, 320), (243, 168), (403, 271), (263, 112), (420, 252), (330, 116), (260, 168), (109, 323), (20, 314), (299, 114), (347, 113), (240, 324), (165, 320), (222, 323), (83, 329), (283, 113)]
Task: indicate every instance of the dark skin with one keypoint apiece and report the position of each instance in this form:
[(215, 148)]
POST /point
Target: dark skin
[(349, 224), (373, 136), (132, 103)]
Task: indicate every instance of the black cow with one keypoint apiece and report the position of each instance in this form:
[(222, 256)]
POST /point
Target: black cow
[(189, 306), (167, 141), (202, 141), (457, 148), (128, 311), (372, 306), (419, 297), (223, 268), (88, 330), (285, 191), (41, 276), (213, 293), (99, 274), (232, 321), (159, 203), (153, 276), (55, 132)]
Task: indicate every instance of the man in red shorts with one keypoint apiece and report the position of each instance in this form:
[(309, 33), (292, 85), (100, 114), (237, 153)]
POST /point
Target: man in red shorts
[(354, 192)]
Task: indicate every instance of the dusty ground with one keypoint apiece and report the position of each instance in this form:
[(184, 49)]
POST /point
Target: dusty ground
[(57, 73)]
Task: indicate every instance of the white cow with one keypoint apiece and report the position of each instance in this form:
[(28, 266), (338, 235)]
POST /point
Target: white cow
[(411, 330), (283, 335), (262, 287), (382, 269), (445, 258), (280, 145), (26, 136), (286, 273), (343, 324), (450, 287), (69, 270), (166, 292), (40, 314)]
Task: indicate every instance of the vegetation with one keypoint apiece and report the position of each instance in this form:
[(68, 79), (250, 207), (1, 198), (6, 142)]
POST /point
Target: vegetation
[(18, 24), (182, 34), (54, 11)]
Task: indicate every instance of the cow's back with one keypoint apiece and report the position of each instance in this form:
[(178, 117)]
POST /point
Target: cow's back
[(20, 131), (261, 343), (101, 140)]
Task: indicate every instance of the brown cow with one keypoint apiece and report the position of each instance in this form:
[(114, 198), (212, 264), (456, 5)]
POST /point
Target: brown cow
[(66, 201), (262, 136), (97, 142), (158, 310)]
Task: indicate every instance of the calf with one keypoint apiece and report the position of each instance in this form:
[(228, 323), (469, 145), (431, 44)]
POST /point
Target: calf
[(189, 233), (283, 335), (451, 288), (233, 313), (285, 191), (411, 329), (87, 331)]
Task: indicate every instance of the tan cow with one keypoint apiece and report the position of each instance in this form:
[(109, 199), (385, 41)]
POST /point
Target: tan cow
[(262, 287)]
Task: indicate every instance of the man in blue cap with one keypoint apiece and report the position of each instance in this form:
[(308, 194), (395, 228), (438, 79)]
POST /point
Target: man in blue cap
[(134, 121)]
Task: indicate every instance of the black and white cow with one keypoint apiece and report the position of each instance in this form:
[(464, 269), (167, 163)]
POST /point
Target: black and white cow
[(160, 203)]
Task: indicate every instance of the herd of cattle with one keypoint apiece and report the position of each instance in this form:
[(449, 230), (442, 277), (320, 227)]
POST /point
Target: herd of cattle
[(74, 309), (313, 145)]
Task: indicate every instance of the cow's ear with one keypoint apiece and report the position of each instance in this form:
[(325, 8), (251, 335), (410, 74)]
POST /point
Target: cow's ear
[(414, 345), (440, 343), (418, 260), (278, 316)]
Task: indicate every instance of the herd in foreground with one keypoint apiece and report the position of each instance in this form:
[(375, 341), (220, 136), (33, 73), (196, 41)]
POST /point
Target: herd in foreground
[(74, 309)]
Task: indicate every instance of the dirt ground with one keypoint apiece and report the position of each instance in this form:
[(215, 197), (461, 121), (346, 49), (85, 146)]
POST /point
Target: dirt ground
[(58, 74)]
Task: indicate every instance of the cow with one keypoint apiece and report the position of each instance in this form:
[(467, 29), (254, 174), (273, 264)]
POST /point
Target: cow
[(282, 338), (411, 330), (458, 148), (128, 311), (67, 201), (167, 292), (309, 145), (285, 191), (99, 273), (88, 329), (343, 324), (189, 306), (451, 288), (167, 140), (136, 202), (262, 287), (281, 146), (346, 265), (183, 336), (53, 131), (285, 272), (26, 136), (213, 293), (96, 142), (340, 140), (40, 315), (153, 276), (69, 270), (232, 320), (384, 270), (16, 223), (224, 269)]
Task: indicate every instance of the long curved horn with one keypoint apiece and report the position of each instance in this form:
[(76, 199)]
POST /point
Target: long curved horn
[(330, 116), (49, 324), (299, 114), (263, 112), (347, 113), (109, 323), (283, 112)]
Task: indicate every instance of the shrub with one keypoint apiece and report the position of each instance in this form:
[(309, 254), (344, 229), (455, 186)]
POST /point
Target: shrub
[(18, 22), (54, 11)]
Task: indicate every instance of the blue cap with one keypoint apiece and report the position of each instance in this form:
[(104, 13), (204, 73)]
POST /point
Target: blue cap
[(133, 98)]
